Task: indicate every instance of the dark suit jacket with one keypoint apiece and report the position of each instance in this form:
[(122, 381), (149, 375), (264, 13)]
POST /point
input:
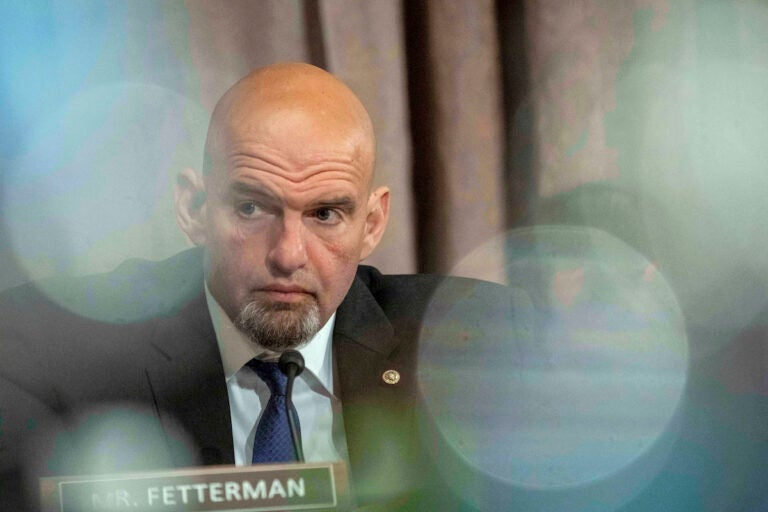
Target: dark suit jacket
[(141, 336)]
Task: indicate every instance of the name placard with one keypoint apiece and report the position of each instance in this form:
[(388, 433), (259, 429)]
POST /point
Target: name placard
[(214, 488)]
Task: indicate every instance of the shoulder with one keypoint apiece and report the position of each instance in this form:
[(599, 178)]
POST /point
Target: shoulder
[(135, 291), (391, 287), (412, 289), (426, 299), (56, 331)]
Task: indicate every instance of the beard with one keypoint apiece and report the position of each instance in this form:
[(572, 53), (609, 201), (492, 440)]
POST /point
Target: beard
[(279, 326)]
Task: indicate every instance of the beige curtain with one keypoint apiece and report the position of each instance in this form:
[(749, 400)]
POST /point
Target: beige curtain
[(642, 118)]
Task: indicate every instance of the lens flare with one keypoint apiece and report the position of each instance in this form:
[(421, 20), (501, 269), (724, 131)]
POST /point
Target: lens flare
[(567, 395)]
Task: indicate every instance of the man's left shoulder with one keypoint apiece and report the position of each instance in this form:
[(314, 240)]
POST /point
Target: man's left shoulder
[(423, 287), (419, 297)]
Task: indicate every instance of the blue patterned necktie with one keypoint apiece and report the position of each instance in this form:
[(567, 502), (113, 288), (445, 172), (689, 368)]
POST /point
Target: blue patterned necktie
[(272, 442)]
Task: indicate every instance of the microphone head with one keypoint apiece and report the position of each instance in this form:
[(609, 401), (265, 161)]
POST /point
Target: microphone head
[(291, 358)]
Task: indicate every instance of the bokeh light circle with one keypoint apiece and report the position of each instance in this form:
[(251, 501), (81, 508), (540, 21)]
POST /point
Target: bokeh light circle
[(93, 186), (567, 396), (93, 183)]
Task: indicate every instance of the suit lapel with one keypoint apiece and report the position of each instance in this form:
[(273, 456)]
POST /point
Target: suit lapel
[(378, 416), (187, 381)]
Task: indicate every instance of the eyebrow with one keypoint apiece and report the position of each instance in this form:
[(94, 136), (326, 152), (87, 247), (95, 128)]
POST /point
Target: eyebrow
[(344, 203), (251, 190), (246, 188)]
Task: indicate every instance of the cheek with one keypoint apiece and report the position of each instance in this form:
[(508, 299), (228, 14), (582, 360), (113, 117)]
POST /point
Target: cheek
[(228, 236), (233, 251), (225, 232), (340, 253), (336, 264), (348, 246)]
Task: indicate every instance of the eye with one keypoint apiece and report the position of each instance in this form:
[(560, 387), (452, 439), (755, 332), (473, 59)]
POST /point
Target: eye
[(247, 208), (327, 215)]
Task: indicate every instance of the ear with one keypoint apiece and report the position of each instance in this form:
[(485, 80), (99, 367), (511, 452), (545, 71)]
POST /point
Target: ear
[(376, 220), (189, 202)]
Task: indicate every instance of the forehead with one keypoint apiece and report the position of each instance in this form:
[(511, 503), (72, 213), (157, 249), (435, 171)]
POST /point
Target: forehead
[(304, 136), (293, 121), (295, 149)]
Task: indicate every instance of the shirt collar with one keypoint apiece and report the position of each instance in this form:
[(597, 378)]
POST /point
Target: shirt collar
[(236, 349)]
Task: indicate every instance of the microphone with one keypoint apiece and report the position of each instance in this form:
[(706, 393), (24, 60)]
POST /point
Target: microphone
[(291, 363)]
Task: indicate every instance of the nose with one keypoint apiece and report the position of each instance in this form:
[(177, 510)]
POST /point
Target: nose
[(288, 251)]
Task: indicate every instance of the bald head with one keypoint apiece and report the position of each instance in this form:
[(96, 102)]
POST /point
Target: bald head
[(297, 98)]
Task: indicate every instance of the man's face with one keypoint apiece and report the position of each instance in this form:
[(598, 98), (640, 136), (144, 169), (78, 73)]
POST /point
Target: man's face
[(286, 210)]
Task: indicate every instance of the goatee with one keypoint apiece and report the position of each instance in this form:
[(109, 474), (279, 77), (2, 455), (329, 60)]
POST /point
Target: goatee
[(279, 326)]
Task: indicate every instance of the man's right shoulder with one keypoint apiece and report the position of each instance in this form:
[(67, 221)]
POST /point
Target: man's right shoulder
[(135, 291)]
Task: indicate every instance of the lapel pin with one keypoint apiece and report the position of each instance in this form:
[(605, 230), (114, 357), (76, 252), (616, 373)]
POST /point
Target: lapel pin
[(391, 376)]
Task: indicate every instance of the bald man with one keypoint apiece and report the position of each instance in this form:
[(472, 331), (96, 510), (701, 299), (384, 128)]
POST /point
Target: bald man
[(151, 366)]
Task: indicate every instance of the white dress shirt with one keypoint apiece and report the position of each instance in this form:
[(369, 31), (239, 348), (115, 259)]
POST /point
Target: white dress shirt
[(313, 396)]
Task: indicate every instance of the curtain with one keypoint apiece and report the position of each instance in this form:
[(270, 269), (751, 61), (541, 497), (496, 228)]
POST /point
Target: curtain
[(490, 115)]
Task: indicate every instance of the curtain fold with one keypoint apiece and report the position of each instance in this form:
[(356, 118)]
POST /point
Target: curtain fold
[(461, 169)]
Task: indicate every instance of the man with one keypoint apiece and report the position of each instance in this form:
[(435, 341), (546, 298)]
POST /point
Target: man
[(284, 210)]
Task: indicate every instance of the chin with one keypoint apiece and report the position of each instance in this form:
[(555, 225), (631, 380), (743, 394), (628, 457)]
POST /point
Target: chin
[(279, 326)]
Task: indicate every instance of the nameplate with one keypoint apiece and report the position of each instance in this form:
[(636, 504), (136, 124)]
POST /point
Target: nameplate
[(213, 488)]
